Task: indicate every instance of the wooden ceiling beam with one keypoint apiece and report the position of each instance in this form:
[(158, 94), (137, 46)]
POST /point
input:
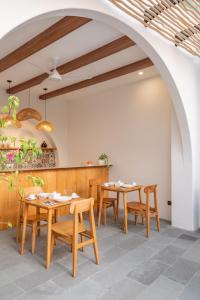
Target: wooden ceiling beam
[(142, 64), (42, 40), (88, 58)]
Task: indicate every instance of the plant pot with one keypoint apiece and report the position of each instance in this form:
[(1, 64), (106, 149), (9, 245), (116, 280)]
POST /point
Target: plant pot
[(102, 162)]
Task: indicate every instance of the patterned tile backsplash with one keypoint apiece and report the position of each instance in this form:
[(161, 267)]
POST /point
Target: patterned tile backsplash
[(46, 160)]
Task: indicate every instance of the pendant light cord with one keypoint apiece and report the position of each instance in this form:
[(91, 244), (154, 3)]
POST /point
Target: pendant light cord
[(29, 97), (45, 104)]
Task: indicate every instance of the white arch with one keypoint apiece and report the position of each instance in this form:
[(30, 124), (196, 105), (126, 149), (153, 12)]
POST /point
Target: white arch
[(162, 54)]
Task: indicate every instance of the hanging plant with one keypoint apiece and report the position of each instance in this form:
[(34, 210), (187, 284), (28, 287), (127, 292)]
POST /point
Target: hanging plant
[(27, 151)]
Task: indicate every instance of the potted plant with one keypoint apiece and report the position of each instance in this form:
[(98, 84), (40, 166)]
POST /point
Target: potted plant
[(103, 159), (28, 150)]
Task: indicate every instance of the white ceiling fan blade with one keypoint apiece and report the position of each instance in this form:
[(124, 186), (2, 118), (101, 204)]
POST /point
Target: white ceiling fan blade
[(82, 77)]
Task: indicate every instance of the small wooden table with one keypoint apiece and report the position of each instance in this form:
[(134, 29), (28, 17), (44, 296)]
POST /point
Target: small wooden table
[(40, 204), (118, 190)]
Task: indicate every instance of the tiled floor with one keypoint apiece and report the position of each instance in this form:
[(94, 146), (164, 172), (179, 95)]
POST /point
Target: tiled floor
[(167, 266)]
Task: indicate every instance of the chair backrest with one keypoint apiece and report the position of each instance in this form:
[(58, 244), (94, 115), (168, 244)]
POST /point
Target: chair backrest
[(82, 206), (94, 188), (32, 190), (151, 189)]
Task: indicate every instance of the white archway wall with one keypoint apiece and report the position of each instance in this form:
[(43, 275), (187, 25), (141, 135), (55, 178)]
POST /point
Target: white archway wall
[(177, 69)]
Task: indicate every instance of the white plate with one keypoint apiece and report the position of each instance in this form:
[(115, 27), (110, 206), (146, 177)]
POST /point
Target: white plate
[(62, 198), (75, 197), (43, 195)]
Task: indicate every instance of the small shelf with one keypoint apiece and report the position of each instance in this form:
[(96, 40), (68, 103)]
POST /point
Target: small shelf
[(11, 148)]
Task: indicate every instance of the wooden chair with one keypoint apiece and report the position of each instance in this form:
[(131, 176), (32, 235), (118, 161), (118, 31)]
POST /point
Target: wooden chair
[(94, 191), (33, 220), (145, 210), (68, 231)]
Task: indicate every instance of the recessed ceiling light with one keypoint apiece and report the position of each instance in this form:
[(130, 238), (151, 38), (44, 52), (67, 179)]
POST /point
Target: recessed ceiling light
[(140, 73)]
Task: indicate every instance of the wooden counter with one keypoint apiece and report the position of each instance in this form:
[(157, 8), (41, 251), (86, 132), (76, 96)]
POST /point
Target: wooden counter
[(63, 180)]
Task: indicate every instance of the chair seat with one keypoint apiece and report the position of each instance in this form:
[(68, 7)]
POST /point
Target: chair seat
[(138, 206), (65, 228)]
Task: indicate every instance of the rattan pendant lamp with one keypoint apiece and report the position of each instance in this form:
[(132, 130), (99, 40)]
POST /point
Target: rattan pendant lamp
[(45, 125), (28, 112), (8, 119)]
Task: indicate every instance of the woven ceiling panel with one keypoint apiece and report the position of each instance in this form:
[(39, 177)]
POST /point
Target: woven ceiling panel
[(176, 20)]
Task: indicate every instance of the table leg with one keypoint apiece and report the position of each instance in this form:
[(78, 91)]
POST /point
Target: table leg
[(125, 214), (100, 206), (38, 222), (117, 208), (24, 228), (48, 257)]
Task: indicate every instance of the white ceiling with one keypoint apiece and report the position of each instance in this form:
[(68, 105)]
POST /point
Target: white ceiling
[(85, 39)]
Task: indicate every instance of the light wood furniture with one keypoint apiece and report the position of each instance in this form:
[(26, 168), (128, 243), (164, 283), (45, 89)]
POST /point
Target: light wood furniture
[(144, 209), (33, 220), (133, 67), (118, 190), (108, 49), (69, 230), (63, 180), (40, 204), (94, 191)]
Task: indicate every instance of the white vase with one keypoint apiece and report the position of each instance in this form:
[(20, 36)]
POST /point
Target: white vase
[(102, 162)]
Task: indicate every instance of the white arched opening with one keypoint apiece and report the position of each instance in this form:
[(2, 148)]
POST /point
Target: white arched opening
[(171, 63)]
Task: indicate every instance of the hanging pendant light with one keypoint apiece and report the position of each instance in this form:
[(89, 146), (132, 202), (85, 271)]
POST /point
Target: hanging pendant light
[(45, 125), (28, 112), (8, 119)]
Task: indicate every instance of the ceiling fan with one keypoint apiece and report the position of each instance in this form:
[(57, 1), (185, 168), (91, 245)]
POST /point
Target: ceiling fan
[(54, 74)]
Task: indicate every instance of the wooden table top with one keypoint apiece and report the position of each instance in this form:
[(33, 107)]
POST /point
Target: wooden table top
[(114, 188), (40, 202)]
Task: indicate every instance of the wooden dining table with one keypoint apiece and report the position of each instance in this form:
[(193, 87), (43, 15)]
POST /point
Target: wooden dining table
[(119, 190), (39, 203)]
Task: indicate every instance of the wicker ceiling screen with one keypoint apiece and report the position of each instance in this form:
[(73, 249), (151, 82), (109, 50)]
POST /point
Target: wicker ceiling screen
[(176, 20)]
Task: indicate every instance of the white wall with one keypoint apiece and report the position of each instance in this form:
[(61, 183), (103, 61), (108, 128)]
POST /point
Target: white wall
[(132, 124)]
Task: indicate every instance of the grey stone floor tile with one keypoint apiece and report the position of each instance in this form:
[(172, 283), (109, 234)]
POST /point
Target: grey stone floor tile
[(39, 277), (148, 272), (192, 290), (169, 254), (47, 291), (193, 253), (10, 292), (162, 289), (132, 242), (173, 232), (126, 289), (125, 260), (182, 271), (86, 290), (184, 243)]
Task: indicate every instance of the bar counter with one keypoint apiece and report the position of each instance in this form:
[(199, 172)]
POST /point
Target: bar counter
[(65, 180)]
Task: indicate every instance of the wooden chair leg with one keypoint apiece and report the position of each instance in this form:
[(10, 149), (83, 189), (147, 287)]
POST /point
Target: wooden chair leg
[(104, 214), (117, 207), (136, 218), (158, 222), (94, 236), (75, 256), (82, 241), (142, 219), (52, 243), (18, 230), (34, 231), (147, 225), (18, 225), (115, 212)]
